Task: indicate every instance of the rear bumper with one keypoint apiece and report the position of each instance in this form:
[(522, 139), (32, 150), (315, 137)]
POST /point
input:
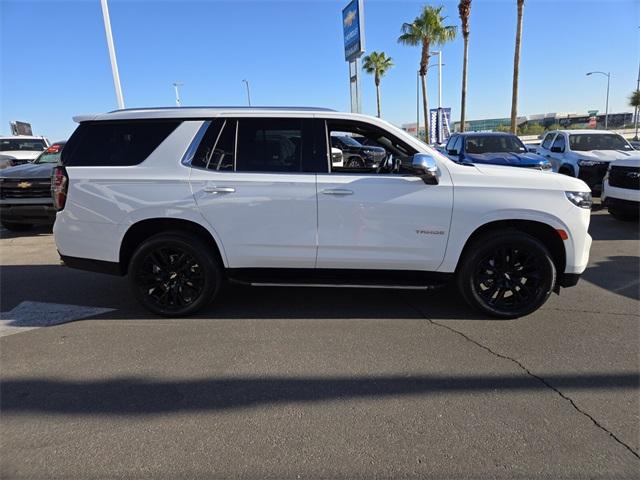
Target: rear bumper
[(28, 214)]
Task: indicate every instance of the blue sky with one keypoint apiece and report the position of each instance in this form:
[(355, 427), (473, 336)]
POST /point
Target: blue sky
[(54, 61)]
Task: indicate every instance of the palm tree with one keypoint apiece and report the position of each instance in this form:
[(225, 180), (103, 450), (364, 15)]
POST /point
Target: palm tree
[(464, 9), (377, 64), (516, 69), (426, 30)]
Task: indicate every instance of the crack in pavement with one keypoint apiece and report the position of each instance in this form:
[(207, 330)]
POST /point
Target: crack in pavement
[(529, 373)]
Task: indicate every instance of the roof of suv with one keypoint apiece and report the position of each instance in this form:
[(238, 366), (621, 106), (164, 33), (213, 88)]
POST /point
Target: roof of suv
[(192, 112), (583, 130)]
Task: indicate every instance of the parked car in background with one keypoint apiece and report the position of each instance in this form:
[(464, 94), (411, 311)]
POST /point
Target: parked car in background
[(621, 189), (337, 158), (6, 161), (23, 148), (635, 144), (25, 192), (585, 154), (180, 199), (356, 155), (494, 148)]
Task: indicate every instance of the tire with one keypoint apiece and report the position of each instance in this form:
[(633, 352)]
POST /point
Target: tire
[(355, 162), (506, 274), (567, 170), (174, 274), (623, 215), (17, 227)]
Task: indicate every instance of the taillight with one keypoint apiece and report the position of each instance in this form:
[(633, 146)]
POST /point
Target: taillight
[(59, 185)]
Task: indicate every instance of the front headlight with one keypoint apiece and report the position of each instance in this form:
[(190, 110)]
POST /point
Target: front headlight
[(580, 199), (589, 163), (545, 166)]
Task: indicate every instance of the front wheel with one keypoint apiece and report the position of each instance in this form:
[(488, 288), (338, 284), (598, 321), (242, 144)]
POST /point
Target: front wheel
[(506, 275), (174, 274)]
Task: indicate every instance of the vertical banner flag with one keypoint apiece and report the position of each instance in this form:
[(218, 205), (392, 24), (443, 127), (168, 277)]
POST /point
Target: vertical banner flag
[(439, 129)]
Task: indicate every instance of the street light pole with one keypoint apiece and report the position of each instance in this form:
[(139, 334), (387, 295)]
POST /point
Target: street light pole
[(176, 86), (439, 53), (418, 104), (112, 54), (637, 110), (606, 108), (246, 82)]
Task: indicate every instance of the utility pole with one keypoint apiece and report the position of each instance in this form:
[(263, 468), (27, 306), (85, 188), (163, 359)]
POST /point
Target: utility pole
[(637, 110), (606, 108), (176, 87), (112, 54), (246, 82)]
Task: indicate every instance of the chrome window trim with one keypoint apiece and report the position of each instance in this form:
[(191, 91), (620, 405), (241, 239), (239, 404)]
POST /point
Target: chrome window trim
[(195, 143), (215, 144)]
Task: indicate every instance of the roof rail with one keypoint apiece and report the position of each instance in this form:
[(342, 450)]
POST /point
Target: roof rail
[(228, 107)]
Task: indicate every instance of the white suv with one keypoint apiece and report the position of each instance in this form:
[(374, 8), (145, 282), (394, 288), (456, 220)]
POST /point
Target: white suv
[(585, 154), (182, 199), (621, 189)]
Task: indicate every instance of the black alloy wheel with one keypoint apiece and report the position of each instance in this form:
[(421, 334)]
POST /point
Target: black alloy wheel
[(507, 275), (174, 274)]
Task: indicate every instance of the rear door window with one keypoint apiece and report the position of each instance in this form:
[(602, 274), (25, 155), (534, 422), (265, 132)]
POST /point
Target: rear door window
[(270, 145), (115, 143)]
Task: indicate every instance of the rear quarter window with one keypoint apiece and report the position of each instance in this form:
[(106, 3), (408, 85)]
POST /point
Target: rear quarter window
[(115, 144)]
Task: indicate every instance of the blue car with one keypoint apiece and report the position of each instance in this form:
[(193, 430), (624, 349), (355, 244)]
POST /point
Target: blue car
[(493, 148)]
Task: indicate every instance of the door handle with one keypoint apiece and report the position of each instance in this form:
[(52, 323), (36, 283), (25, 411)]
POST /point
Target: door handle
[(337, 191), (214, 189)]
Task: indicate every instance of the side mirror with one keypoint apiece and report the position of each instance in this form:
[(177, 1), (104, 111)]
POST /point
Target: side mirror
[(557, 149), (425, 167)]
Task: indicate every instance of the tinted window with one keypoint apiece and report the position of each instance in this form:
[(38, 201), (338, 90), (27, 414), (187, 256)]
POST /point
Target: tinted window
[(375, 150), (19, 144), (494, 144), (450, 142), (559, 143), (115, 143), (547, 141), (269, 145), (217, 147), (597, 141)]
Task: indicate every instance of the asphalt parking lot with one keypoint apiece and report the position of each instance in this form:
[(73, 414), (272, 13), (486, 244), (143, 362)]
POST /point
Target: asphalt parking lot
[(318, 383)]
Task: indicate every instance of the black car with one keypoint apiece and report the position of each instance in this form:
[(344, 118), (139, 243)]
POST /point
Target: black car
[(356, 155), (25, 192)]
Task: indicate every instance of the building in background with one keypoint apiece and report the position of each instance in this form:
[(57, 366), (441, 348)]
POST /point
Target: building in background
[(544, 120)]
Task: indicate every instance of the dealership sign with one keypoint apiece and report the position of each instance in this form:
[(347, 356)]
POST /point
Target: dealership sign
[(20, 128), (353, 28)]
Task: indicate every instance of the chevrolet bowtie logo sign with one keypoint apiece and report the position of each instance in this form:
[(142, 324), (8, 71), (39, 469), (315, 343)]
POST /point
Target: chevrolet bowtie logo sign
[(348, 20), (24, 184)]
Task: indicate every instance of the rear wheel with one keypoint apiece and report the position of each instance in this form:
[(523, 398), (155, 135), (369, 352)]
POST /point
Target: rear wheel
[(174, 274), (17, 227), (507, 275)]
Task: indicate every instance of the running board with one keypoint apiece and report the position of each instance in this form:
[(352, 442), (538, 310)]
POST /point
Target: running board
[(347, 285), (339, 278)]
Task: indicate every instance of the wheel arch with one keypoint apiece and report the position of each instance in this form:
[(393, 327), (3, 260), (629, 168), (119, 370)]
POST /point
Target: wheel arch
[(543, 232), (140, 231)]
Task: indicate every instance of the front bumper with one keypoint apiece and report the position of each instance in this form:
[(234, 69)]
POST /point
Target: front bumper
[(623, 205), (36, 214), (593, 175)]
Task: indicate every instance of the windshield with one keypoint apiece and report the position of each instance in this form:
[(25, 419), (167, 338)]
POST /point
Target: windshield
[(48, 157), (349, 141), (494, 143), (33, 145), (583, 142)]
